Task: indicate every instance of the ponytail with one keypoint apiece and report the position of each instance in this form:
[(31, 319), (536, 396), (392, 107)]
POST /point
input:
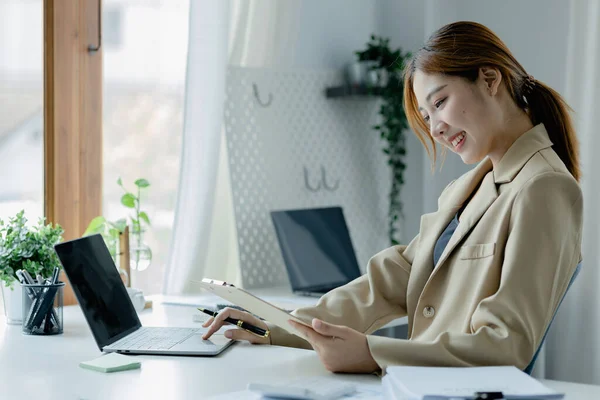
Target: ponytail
[(546, 106)]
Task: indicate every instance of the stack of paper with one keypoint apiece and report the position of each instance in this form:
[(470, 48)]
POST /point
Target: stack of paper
[(436, 383)]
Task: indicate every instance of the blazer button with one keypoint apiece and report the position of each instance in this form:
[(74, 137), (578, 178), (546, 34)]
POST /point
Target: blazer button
[(428, 312)]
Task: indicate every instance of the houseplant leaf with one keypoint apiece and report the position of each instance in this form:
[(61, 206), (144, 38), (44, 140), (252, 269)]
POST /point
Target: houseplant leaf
[(142, 183), (128, 200), (96, 226), (144, 216), (119, 224)]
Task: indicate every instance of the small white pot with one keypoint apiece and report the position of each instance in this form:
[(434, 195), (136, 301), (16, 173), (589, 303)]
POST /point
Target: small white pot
[(13, 303)]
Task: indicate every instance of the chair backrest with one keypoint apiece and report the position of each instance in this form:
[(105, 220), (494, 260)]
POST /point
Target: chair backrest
[(535, 356)]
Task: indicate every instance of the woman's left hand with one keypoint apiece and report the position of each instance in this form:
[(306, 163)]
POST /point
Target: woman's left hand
[(341, 349)]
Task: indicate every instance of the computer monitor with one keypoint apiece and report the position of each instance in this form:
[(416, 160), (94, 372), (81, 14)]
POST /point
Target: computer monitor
[(316, 248)]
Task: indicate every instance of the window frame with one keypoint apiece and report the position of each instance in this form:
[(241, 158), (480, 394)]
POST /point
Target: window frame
[(72, 117)]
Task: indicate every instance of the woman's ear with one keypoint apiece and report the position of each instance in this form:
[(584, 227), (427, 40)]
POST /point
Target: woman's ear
[(491, 78)]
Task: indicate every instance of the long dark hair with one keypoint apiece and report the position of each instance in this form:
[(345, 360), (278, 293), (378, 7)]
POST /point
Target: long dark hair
[(460, 49)]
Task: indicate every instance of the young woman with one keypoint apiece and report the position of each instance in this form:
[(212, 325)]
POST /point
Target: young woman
[(483, 278)]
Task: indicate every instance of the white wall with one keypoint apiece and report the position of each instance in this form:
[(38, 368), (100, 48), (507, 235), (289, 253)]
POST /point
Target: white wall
[(403, 23)]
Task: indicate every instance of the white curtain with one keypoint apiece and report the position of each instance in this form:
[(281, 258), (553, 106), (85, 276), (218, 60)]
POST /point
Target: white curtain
[(264, 33), (204, 99), (249, 33), (573, 345)]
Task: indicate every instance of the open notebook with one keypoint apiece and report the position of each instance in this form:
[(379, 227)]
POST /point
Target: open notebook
[(440, 383)]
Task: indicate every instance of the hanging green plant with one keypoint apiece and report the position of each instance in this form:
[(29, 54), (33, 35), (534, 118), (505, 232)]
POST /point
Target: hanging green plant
[(393, 121)]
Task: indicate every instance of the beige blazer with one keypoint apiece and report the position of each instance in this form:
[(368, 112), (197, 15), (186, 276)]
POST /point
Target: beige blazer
[(498, 283)]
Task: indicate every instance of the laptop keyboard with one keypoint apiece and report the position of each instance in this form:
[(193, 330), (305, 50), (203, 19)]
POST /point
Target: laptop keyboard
[(154, 338)]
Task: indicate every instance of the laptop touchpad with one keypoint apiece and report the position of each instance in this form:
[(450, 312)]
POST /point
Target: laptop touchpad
[(195, 342)]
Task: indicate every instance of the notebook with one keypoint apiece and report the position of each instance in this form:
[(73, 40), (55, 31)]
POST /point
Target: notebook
[(316, 248), (443, 383), (110, 313)]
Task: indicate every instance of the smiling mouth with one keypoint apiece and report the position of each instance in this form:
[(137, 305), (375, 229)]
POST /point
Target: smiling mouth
[(458, 139)]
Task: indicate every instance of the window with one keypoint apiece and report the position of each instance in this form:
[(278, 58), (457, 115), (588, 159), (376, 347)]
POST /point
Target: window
[(144, 80), (21, 108), (21, 112)]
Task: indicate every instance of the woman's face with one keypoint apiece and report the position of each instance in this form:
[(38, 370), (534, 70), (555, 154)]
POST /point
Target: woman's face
[(457, 112)]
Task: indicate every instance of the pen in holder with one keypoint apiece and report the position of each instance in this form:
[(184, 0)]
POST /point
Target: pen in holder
[(43, 309)]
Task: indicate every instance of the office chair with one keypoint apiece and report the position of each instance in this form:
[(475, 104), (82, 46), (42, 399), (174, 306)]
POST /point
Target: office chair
[(535, 356)]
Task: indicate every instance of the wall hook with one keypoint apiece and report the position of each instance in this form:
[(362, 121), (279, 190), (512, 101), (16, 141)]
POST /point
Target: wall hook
[(257, 96), (307, 184), (324, 180)]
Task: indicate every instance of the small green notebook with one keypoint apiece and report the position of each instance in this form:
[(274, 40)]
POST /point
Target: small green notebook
[(111, 362)]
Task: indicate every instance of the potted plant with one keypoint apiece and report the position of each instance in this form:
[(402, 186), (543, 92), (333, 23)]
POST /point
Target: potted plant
[(393, 120), (377, 58), (140, 252), (25, 248)]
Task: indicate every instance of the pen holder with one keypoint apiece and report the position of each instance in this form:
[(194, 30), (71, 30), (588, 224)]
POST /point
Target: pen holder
[(43, 309)]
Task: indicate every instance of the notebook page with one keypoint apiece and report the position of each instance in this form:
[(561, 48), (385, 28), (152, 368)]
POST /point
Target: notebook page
[(421, 382)]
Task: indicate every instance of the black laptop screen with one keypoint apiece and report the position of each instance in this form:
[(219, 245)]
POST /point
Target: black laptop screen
[(99, 289), (316, 248)]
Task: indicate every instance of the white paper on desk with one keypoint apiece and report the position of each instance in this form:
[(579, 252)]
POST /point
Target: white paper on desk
[(423, 383)]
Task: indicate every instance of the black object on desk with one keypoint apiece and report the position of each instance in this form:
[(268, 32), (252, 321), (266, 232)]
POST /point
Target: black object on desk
[(489, 395), (42, 308)]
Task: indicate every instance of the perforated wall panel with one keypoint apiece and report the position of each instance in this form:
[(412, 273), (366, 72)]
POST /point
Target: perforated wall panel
[(276, 145)]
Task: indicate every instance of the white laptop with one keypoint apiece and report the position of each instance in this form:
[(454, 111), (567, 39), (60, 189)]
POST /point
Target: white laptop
[(110, 313)]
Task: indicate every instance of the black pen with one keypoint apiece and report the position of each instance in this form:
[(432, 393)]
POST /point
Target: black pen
[(239, 323)]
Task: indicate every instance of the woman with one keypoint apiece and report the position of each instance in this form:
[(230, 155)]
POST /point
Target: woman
[(483, 278)]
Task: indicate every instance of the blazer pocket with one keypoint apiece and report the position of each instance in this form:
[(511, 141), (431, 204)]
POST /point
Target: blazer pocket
[(473, 251)]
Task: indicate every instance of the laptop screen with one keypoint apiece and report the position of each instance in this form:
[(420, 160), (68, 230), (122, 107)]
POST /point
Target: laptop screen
[(99, 289), (316, 248)]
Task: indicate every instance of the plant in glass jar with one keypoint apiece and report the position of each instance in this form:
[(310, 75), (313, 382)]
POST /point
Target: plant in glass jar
[(140, 252)]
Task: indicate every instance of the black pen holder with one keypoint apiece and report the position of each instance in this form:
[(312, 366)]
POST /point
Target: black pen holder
[(43, 309)]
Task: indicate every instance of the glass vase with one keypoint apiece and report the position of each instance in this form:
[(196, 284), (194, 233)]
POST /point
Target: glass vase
[(140, 255)]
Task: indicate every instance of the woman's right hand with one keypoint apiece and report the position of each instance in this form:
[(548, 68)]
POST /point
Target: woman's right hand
[(215, 323)]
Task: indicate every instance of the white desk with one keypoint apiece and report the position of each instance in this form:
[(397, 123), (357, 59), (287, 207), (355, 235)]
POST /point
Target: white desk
[(47, 367)]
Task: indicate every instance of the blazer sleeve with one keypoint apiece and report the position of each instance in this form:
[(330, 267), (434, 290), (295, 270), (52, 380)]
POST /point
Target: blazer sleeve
[(366, 303), (541, 253)]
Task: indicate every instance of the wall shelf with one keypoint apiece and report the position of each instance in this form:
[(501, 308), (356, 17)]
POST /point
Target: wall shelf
[(346, 91)]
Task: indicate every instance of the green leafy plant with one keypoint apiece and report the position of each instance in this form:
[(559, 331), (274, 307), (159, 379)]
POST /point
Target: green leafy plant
[(27, 248), (111, 230), (378, 49), (393, 120)]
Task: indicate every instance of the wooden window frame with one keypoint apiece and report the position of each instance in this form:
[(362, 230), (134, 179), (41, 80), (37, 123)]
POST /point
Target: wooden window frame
[(72, 116)]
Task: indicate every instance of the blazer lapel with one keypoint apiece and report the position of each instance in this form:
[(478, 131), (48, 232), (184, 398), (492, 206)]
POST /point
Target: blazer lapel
[(480, 202)]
